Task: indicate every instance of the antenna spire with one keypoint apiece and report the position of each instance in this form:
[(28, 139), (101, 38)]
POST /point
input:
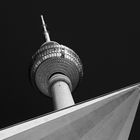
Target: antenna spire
[(47, 37)]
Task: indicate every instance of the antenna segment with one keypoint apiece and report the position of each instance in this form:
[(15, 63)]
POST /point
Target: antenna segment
[(47, 37)]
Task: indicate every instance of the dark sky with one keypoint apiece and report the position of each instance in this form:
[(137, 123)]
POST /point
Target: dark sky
[(94, 31)]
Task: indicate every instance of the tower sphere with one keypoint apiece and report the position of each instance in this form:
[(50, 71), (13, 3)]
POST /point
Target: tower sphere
[(53, 58)]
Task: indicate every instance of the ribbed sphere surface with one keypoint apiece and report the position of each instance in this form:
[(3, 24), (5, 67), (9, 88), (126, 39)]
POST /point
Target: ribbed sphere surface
[(54, 58)]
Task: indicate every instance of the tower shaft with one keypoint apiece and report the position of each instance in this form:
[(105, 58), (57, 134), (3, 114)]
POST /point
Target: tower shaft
[(61, 95), (60, 90)]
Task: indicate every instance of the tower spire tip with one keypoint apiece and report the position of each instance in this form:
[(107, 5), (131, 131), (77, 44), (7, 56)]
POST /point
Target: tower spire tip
[(45, 29)]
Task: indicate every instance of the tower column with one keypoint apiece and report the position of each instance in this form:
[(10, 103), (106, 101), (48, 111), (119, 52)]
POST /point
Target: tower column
[(60, 91), (61, 95)]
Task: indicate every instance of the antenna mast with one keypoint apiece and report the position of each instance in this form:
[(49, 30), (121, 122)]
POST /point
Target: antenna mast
[(47, 37)]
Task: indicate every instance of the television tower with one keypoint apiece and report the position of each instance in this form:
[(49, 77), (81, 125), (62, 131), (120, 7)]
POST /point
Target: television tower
[(56, 71)]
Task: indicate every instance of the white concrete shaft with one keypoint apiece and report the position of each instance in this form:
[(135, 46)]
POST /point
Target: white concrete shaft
[(61, 95)]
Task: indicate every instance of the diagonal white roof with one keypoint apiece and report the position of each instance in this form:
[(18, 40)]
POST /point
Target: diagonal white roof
[(64, 118)]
